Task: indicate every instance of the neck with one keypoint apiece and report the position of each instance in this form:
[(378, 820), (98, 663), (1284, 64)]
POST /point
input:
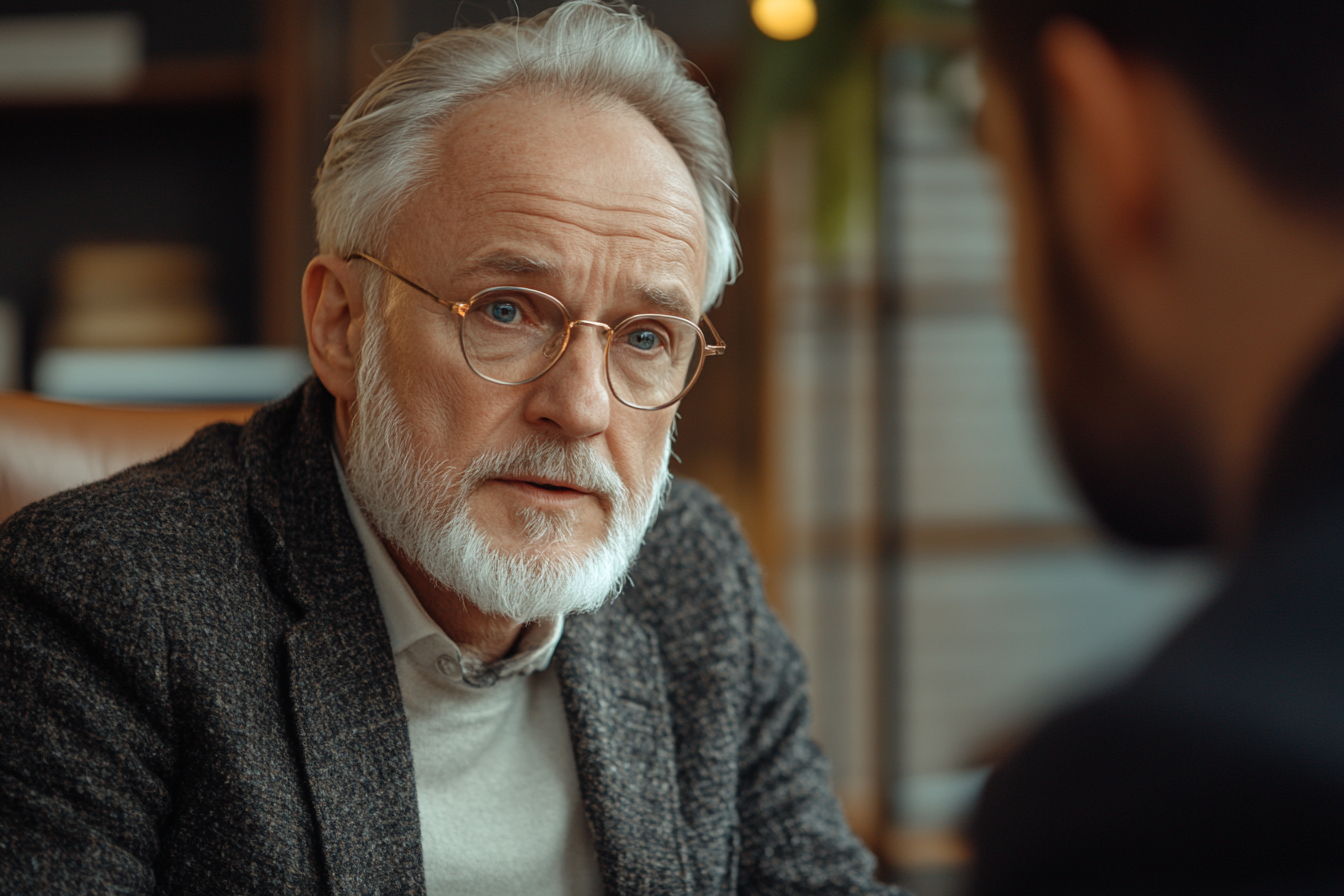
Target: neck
[(489, 638), (1268, 326), (1247, 413)]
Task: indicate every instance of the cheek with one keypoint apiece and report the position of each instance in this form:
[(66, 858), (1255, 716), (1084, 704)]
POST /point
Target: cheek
[(459, 415), (443, 402), (637, 444)]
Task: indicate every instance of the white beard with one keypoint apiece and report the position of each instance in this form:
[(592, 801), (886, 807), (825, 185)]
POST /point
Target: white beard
[(421, 507)]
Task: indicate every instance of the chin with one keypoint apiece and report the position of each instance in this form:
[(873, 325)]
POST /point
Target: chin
[(542, 551), (547, 534)]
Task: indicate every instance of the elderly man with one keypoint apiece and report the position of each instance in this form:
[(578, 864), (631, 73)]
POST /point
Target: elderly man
[(1176, 171), (366, 643)]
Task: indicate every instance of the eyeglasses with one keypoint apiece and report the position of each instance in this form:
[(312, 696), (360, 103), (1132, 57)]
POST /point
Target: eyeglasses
[(512, 335)]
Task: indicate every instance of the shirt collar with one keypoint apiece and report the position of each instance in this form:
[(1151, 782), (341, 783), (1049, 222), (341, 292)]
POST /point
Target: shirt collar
[(412, 631)]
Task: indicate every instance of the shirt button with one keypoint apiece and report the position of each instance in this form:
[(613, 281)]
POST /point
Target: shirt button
[(449, 667)]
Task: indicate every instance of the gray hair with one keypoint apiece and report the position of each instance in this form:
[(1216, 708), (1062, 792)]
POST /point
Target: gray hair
[(586, 49)]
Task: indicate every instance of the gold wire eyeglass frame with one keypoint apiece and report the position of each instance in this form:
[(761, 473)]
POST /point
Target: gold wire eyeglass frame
[(718, 347)]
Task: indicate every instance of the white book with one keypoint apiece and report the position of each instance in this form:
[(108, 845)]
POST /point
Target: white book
[(170, 376), (11, 343), (61, 55)]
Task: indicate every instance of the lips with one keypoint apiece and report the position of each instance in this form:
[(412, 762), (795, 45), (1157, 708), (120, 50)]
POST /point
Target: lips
[(550, 485)]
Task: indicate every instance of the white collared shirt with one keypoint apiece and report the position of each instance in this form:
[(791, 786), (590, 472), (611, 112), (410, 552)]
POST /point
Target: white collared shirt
[(495, 780)]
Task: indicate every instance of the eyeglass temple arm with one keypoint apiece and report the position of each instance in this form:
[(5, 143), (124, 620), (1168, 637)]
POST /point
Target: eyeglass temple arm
[(409, 282), (719, 346)]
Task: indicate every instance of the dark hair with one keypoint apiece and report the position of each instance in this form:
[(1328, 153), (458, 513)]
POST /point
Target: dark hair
[(1269, 74)]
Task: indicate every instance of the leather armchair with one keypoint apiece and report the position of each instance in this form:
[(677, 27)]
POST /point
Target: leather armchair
[(49, 446)]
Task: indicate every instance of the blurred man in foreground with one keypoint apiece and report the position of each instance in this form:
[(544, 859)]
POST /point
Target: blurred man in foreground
[(1176, 172), (367, 642)]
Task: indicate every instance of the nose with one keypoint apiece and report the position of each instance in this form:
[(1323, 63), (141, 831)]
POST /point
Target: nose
[(573, 396)]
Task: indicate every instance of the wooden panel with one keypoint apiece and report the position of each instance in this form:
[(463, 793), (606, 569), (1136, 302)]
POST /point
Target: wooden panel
[(218, 79), (284, 99), (303, 86), (371, 23)]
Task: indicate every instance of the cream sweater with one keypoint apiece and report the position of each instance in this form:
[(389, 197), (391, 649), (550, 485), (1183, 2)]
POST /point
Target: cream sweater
[(496, 784)]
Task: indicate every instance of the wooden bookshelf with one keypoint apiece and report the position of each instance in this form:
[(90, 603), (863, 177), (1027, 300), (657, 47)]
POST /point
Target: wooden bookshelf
[(245, 127)]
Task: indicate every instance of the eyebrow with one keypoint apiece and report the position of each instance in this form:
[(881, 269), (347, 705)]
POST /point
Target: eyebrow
[(673, 301), (508, 263)]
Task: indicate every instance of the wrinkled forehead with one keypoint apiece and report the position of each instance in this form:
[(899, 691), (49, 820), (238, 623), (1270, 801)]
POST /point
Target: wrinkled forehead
[(530, 183)]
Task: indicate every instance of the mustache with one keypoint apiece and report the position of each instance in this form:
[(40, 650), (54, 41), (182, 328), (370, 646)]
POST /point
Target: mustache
[(577, 463)]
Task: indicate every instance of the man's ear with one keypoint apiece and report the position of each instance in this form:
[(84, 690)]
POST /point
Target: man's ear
[(1107, 158), (333, 314)]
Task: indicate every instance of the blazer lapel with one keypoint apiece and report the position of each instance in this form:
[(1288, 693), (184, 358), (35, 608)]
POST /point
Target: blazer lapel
[(611, 679), (347, 710), (357, 756)]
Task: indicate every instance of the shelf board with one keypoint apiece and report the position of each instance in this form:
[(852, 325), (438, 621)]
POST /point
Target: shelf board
[(163, 82)]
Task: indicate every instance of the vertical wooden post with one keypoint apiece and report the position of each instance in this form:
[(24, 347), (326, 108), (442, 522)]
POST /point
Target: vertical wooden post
[(371, 23), (284, 97), (302, 86)]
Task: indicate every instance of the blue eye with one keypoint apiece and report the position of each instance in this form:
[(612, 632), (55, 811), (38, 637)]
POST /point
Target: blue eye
[(504, 312), (644, 340)]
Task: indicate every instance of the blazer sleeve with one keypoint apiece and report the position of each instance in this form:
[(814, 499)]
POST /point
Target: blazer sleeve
[(85, 750), (794, 835)]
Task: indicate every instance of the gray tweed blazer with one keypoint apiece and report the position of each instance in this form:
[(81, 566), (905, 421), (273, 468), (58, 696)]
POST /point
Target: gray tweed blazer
[(197, 695)]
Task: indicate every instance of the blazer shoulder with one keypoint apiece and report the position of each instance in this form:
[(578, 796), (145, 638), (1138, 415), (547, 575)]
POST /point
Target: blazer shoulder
[(693, 517), (695, 573), (139, 531)]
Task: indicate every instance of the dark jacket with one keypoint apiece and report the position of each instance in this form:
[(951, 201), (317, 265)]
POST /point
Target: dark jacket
[(197, 695), (1219, 768)]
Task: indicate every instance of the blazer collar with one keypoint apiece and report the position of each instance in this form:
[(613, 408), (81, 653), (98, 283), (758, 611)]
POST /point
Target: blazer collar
[(615, 694), (346, 703)]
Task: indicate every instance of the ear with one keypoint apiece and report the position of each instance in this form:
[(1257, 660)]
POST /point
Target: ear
[(1107, 157), (333, 314)]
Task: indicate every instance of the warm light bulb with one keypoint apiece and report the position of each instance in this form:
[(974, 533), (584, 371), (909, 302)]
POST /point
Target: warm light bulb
[(784, 19)]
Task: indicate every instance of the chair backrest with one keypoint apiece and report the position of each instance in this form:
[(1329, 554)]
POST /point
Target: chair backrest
[(49, 446)]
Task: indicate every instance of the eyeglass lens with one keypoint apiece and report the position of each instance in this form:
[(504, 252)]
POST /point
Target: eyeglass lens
[(513, 336)]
